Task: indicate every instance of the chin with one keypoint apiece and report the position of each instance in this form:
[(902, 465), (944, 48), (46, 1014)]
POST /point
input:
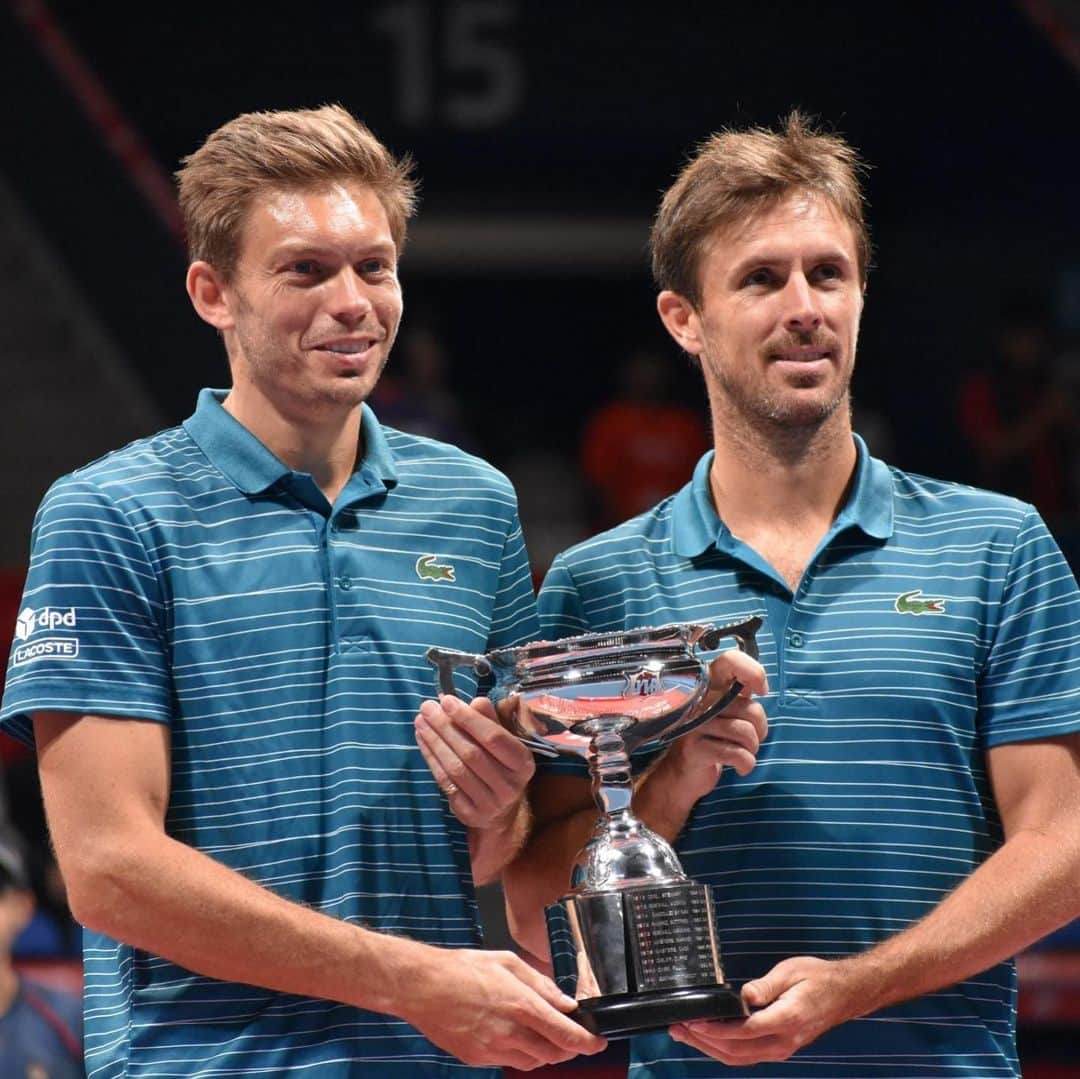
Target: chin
[(805, 413), (348, 393), (800, 405)]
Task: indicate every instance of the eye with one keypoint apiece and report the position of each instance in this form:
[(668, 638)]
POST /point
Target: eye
[(828, 271), (373, 266), (304, 267), (758, 278)]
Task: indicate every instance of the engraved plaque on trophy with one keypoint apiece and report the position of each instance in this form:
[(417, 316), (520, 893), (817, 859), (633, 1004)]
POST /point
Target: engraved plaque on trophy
[(634, 940)]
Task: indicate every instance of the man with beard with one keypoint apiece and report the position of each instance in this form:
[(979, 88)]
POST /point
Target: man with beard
[(909, 822), (221, 652)]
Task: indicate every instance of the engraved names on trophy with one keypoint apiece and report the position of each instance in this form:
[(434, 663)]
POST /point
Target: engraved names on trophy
[(671, 929)]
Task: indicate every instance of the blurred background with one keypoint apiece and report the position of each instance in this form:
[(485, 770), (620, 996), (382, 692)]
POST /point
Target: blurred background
[(543, 135)]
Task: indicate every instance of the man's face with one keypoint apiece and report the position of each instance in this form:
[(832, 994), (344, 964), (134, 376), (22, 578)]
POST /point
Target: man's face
[(779, 316), (314, 300)]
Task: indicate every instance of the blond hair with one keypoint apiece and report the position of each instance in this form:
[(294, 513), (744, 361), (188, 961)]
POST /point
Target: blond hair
[(301, 148), (737, 174)]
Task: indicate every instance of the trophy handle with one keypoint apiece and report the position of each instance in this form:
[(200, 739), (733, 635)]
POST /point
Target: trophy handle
[(446, 661), (745, 634)]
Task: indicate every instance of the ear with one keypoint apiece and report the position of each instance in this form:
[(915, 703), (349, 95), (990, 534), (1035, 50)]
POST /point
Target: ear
[(209, 295), (681, 321)]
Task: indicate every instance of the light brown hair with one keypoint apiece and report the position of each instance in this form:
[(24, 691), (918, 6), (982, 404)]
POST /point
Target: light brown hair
[(737, 174), (302, 148)]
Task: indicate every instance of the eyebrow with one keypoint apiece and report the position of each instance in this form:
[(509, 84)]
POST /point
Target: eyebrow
[(767, 258), (295, 248)]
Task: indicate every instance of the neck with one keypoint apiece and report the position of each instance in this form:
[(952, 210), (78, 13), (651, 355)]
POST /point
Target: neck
[(324, 443), (782, 477)]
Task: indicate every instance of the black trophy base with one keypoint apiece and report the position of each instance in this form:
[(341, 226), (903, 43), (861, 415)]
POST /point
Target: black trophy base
[(635, 1013)]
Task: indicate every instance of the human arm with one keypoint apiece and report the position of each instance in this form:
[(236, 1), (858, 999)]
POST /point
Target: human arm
[(484, 771), (565, 813), (1027, 888), (106, 788)]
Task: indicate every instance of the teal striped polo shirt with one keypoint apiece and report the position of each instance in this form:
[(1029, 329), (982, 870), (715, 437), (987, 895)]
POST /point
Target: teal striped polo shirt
[(933, 622), (192, 579)]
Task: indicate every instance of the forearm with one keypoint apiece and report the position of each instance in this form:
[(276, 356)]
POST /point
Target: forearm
[(169, 899), (540, 875), (492, 849), (664, 799), (1028, 888)]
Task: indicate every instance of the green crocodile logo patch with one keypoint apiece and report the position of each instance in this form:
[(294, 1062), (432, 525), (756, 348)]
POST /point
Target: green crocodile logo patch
[(429, 569), (910, 603)]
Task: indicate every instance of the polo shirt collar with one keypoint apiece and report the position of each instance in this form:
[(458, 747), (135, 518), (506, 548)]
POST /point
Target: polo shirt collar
[(870, 506), (244, 460), (378, 456), (696, 525)]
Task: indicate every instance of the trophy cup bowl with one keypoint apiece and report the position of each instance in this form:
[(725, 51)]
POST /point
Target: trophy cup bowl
[(634, 940)]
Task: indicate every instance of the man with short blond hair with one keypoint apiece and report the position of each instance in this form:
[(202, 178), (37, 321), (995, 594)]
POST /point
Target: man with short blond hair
[(221, 654)]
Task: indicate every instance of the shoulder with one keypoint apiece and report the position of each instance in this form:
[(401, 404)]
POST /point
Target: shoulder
[(644, 538), (140, 464), (928, 499), (436, 464)]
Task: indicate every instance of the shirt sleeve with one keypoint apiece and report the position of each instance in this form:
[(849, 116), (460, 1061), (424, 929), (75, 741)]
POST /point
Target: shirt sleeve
[(513, 618), (1030, 683), (559, 603), (561, 615), (90, 636)]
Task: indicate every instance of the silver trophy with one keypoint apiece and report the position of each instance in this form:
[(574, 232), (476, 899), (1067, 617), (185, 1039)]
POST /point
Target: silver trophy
[(634, 940)]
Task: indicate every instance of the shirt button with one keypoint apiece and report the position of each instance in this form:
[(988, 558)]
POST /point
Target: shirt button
[(796, 640), (345, 583)]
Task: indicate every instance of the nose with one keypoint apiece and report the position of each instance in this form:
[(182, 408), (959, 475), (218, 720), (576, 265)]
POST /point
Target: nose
[(349, 302), (803, 313)]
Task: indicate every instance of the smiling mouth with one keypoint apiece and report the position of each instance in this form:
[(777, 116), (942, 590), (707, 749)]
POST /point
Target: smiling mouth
[(346, 348), (802, 355)]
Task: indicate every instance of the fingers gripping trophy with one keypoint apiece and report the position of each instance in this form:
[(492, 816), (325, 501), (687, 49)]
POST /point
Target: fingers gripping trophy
[(634, 940)]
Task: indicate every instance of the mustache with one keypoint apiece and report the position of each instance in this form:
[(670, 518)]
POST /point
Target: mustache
[(818, 339)]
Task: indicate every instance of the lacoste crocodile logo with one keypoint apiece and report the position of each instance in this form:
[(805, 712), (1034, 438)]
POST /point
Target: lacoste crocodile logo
[(910, 603), (428, 569)]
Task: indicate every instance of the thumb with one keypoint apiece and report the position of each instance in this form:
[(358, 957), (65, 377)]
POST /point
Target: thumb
[(555, 996), (762, 991), (543, 986)]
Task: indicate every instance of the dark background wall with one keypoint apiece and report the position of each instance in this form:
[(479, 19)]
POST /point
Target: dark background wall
[(570, 116)]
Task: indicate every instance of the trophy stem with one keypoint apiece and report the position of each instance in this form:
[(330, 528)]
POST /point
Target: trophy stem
[(622, 852), (609, 763)]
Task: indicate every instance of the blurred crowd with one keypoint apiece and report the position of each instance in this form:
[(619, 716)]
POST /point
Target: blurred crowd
[(1017, 415)]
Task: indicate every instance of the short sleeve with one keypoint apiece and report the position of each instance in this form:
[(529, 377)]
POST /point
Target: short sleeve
[(1030, 682), (561, 615), (513, 618), (559, 603), (90, 634)]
